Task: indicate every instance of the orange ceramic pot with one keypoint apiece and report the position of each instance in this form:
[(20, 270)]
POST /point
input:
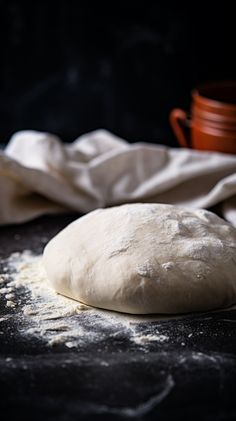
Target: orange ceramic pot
[(212, 122)]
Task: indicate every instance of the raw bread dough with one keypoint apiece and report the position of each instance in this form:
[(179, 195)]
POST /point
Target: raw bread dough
[(145, 258)]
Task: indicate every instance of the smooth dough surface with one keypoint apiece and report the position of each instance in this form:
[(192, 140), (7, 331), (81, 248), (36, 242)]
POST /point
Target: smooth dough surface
[(145, 258)]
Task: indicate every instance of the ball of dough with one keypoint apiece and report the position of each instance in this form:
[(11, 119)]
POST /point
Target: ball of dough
[(145, 258)]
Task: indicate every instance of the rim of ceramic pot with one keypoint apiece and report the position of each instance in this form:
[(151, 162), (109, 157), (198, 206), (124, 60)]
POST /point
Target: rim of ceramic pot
[(201, 95)]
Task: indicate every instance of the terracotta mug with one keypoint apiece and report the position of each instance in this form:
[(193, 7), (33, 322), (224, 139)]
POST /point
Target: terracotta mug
[(211, 125)]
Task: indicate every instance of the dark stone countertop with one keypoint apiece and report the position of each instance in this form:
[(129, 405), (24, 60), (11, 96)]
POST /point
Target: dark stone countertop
[(193, 375)]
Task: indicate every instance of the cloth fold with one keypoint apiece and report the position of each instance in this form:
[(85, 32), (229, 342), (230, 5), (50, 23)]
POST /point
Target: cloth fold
[(39, 174)]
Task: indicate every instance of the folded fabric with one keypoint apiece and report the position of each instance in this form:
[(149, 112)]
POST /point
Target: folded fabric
[(39, 174)]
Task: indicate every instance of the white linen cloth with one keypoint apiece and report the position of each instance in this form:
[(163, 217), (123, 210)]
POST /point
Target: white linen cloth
[(40, 175)]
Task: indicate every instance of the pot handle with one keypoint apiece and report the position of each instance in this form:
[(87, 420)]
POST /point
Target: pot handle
[(181, 124)]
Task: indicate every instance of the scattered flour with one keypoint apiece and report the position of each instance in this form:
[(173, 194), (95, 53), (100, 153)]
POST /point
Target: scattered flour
[(142, 339), (59, 320), (55, 319)]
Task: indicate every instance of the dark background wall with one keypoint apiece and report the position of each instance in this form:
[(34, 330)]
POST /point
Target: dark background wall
[(70, 67)]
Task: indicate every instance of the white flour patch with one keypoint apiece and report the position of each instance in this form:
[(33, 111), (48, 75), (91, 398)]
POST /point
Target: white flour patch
[(59, 320), (142, 339)]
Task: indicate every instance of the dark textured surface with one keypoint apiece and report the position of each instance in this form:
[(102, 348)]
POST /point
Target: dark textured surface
[(193, 375), (72, 66)]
